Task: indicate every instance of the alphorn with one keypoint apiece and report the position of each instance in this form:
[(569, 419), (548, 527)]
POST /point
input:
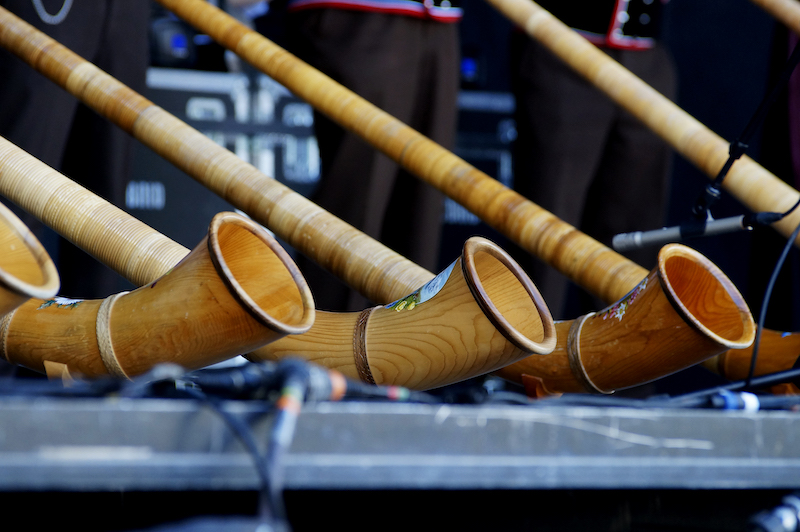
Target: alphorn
[(335, 245), (26, 269), (750, 183), (236, 291), (684, 310), (471, 319), (478, 315), (380, 273)]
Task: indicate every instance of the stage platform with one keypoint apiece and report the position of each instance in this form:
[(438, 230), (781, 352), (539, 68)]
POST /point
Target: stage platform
[(376, 458), (147, 444)]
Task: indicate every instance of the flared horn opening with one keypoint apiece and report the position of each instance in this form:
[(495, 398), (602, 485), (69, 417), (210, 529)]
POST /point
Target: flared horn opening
[(705, 297), (26, 269), (508, 297), (265, 279)]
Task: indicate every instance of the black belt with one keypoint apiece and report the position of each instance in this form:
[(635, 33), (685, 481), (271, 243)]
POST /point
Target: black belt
[(439, 3), (635, 18)]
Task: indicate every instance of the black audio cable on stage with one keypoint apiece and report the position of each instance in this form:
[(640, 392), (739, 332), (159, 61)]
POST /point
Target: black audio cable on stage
[(296, 382), (711, 193), (280, 388), (260, 384)]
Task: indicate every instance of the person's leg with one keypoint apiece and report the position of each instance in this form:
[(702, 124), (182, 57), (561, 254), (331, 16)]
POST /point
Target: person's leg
[(562, 125), (378, 57)]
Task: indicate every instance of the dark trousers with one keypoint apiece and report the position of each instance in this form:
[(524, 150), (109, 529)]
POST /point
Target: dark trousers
[(408, 68), (584, 159), (50, 124)]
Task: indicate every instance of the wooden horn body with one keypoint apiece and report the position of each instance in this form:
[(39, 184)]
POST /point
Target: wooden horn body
[(478, 315), (235, 291), (26, 269), (375, 271), (685, 311)]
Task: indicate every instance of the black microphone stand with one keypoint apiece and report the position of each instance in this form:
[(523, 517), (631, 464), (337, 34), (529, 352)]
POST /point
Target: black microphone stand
[(704, 223), (711, 193)]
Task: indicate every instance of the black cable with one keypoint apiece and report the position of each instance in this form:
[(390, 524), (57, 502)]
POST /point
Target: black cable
[(266, 507), (792, 208), (361, 391), (248, 381), (297, 382), (704, 397)]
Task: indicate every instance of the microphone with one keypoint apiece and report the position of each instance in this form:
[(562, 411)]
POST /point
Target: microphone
[(710, 227)]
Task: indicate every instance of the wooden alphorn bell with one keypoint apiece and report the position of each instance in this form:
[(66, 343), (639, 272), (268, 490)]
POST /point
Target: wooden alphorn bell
[(237, 290), (684, 309), (376, 271), (472, 318), (317, 343), (585, 261), (26, 269)]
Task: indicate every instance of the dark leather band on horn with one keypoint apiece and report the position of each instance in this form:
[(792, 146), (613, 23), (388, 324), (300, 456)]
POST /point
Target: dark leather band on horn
[(360, 346)]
